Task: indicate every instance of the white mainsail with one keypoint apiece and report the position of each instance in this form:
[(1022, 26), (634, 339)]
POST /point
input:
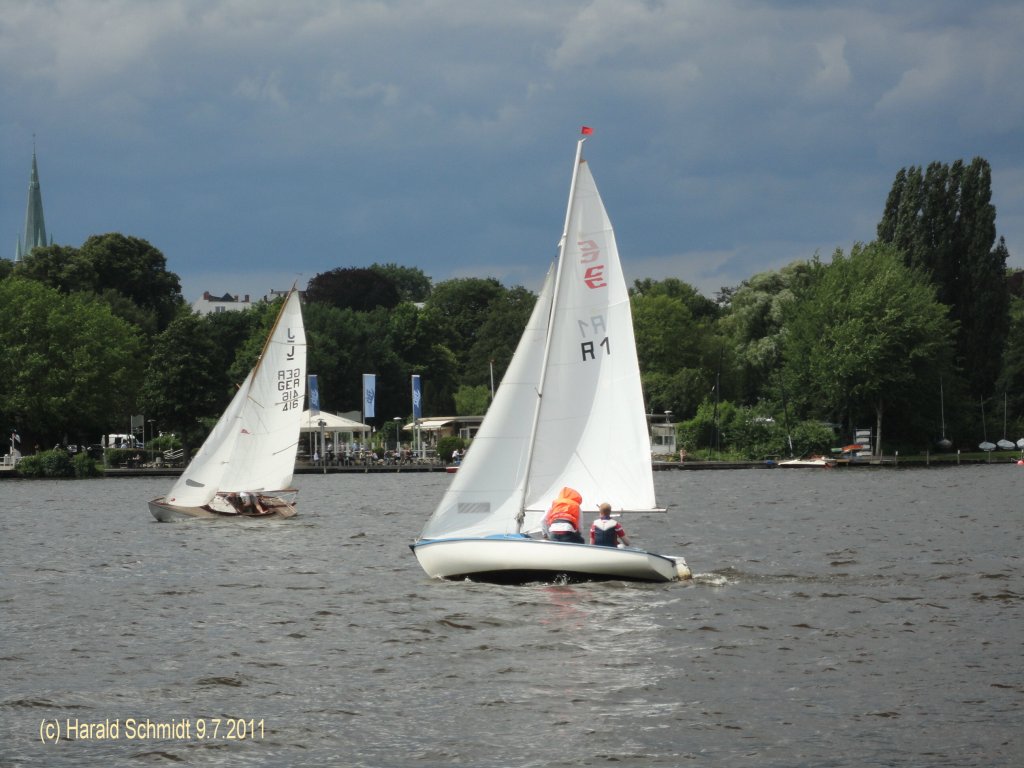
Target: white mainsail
[(592, 429), (253, 445), (570, 408)]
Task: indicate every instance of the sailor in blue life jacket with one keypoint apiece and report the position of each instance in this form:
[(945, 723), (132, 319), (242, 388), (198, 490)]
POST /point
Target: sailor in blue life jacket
[(605, 532)]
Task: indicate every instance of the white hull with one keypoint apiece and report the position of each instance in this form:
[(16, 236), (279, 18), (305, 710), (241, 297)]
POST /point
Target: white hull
[(807, 463), (277, 508), (524, 559)]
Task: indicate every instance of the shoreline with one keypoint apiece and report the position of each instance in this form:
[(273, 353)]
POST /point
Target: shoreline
[(886, 462)]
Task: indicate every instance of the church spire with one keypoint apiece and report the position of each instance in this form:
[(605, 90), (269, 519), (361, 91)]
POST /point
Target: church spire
[(35, 226)]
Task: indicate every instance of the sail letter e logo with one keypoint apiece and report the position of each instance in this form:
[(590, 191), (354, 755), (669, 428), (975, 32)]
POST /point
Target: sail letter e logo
[(593, 277)]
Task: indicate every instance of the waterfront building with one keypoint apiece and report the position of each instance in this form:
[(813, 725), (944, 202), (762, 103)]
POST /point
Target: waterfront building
[(210, 304)]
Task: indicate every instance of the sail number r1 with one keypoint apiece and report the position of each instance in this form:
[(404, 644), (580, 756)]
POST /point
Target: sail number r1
[(596, 328)]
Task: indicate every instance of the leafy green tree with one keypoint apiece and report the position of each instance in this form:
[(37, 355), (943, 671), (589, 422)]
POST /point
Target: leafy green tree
[(411, 282), (241, 341), (127, 272), (701, 307), (354, 288), (336, 339), (752, 327), (943, 221), (439, 380), (865, 335), (677, 344), (681, 391), (1011, 379), (458, 310), (73, 366), (394, 392), (137, 270), (413, 344), (472, 401), (344, 344), (498, 336), (668, 344), (145, 319), (58, 266), (185, 380), (666, 334), (238, 338), (222, 347)]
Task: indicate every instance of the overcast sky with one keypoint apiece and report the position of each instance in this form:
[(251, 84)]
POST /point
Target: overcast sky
[(256, 142)]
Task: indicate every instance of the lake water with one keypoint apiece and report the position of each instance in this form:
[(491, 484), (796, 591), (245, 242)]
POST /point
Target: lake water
[(848, 617)]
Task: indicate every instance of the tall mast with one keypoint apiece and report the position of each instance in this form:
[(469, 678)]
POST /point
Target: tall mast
[(521, 514)]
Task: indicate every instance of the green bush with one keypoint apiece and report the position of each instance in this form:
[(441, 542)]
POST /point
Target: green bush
[(446, 445), (813, 437), (700, 431), (757, 437), (30, 466), (472, 401), (165, 442), (115, 457), (84, 465), (46, 464), (750, 433)]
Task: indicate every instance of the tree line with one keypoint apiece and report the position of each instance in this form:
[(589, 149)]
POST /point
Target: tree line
[(914, 335)]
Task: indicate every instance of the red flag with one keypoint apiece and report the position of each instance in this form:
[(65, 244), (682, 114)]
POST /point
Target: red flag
[(586, 130)]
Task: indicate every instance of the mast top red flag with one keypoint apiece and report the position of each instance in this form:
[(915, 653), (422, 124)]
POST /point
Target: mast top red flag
[(586, 130)]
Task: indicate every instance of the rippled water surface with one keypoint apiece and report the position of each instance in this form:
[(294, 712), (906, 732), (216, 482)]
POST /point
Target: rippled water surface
[(847, 617)]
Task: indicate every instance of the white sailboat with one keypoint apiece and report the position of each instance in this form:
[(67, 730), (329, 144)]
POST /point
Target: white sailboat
[(1004, 444), (809, 461), (985, 445), (569, 412), (944, 443), (245, 466)]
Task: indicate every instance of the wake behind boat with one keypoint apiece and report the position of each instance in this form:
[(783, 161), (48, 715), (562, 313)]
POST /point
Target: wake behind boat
[(569, 412), (245, 466)]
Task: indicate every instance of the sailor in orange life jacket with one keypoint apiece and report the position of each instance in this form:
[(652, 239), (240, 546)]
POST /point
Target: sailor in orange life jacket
[(562, 522)]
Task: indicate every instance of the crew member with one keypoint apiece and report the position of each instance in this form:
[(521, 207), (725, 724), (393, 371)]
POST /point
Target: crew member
[(606, 532), (562, 522)]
